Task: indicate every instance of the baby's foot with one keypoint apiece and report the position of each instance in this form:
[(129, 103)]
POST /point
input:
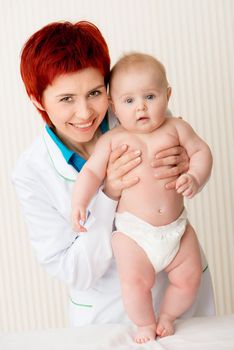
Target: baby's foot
[(165, 326), (145, 333)]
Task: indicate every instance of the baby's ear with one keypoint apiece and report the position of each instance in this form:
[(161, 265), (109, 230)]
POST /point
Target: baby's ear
[(168, 93), (36, 103)]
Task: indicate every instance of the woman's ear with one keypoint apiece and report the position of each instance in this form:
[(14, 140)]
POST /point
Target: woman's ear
[(168, 93), (36, 103)]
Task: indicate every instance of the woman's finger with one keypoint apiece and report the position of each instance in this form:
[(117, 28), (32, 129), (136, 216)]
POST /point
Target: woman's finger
[(171, 185), (176, 150), (124, 158), (126, 168), (165, 173), (117, 153), (129, 183), (170, 160)]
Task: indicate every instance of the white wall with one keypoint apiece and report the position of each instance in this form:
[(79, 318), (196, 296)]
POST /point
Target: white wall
[(194, 39)]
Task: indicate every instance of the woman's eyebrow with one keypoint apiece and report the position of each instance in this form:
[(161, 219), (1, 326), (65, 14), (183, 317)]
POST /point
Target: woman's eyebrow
[(65, 94), (72, 94), (97, 87)]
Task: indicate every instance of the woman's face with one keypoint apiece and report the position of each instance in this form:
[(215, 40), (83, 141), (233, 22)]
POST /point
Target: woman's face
[(76, 103)]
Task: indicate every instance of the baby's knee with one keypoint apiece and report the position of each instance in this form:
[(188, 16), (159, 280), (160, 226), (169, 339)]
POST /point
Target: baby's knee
[(191, 281), (138, 282)]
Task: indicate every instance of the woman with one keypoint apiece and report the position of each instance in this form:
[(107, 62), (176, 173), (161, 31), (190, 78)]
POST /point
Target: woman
[(65, 69)]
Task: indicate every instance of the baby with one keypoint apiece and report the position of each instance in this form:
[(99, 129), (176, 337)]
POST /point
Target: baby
[(152, 231)]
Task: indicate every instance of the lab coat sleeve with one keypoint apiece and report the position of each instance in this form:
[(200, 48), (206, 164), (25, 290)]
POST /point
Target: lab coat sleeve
[(78, 260)]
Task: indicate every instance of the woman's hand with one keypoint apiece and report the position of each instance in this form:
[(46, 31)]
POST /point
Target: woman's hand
[(170, 163), (121, 162)]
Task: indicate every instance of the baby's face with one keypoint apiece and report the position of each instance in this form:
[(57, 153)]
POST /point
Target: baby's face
[(139, 99)]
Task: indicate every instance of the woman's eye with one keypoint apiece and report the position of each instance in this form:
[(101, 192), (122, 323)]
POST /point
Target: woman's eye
[(66, 99), (95, 93)]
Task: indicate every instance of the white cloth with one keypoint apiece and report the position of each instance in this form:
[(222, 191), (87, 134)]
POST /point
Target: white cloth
[(161, 244), (203, 333), (44, 181)]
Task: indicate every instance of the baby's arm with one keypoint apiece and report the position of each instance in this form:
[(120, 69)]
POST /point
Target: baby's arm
[(200, 160), (89, 180)]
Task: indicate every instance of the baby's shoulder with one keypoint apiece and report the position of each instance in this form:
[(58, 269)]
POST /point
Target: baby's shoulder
[(176, 121), (108, 137), (173, 120), (115, 133)]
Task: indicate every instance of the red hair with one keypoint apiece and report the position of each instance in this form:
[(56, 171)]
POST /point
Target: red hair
[(60, 48)]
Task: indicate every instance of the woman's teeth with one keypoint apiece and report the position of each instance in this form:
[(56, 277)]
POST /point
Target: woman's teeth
[(83, 126)]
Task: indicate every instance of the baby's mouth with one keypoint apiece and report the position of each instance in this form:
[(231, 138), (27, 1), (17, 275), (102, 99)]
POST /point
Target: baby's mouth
[(142, 118)]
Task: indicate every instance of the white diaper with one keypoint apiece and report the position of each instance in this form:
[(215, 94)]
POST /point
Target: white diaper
[(161, 243)]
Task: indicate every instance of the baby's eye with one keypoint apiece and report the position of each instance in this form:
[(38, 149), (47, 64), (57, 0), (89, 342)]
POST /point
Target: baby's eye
[(66, 99), (129, 100), (150, 97)]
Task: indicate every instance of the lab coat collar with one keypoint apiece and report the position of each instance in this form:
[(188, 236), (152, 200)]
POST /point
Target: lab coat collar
[(64, 169)]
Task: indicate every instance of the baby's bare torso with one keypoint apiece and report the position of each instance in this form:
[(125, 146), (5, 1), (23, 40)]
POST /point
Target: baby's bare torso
[(148, 199)]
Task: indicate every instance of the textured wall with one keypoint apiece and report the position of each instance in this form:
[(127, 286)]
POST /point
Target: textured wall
[(194, 39)]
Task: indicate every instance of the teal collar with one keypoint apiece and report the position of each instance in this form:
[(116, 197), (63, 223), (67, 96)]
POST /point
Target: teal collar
[(70, 156)]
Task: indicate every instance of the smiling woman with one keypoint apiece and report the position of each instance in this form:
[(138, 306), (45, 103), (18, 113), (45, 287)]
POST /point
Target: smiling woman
[(76, 104), (65, 69)]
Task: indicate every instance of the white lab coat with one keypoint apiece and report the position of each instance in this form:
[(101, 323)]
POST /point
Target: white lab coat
[(44, 181)]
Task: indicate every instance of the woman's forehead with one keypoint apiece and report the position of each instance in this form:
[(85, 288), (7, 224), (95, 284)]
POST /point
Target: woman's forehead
[(82, 80)]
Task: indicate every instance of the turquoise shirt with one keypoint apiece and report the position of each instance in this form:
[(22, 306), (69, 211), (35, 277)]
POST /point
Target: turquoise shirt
[(70, 156)]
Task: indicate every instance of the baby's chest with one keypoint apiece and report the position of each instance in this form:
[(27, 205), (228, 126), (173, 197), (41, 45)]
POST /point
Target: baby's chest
[(148, 144)]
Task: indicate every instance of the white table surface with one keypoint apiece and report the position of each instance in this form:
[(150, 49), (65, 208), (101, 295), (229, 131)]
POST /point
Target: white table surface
[(207, 333)]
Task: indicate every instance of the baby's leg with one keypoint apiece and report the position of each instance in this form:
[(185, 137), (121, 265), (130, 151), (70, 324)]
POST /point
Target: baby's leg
[(137, 277), (184, 274)]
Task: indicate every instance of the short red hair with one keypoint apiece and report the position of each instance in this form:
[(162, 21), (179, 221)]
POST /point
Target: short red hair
[(60, 48)]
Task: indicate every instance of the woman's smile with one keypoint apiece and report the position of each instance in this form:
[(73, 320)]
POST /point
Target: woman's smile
[(83, 126)]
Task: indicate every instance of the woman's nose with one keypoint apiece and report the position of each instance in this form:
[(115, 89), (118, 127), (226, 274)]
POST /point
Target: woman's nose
[(83, 110)]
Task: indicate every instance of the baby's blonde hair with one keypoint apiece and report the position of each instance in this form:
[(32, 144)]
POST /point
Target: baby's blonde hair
[(134, 58)]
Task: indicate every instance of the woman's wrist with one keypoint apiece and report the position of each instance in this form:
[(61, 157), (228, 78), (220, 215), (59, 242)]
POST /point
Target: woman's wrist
[(111, 195)]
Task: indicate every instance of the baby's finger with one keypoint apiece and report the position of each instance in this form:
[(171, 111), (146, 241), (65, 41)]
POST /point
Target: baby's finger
[(82, 215), (182, 180), (182, 188), (77, 226), (82, 220), (77, 217), (82, 228), (188, 193)]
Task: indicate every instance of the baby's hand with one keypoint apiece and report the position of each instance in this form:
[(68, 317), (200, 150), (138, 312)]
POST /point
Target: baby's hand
[(78, 215), (187, 185)]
